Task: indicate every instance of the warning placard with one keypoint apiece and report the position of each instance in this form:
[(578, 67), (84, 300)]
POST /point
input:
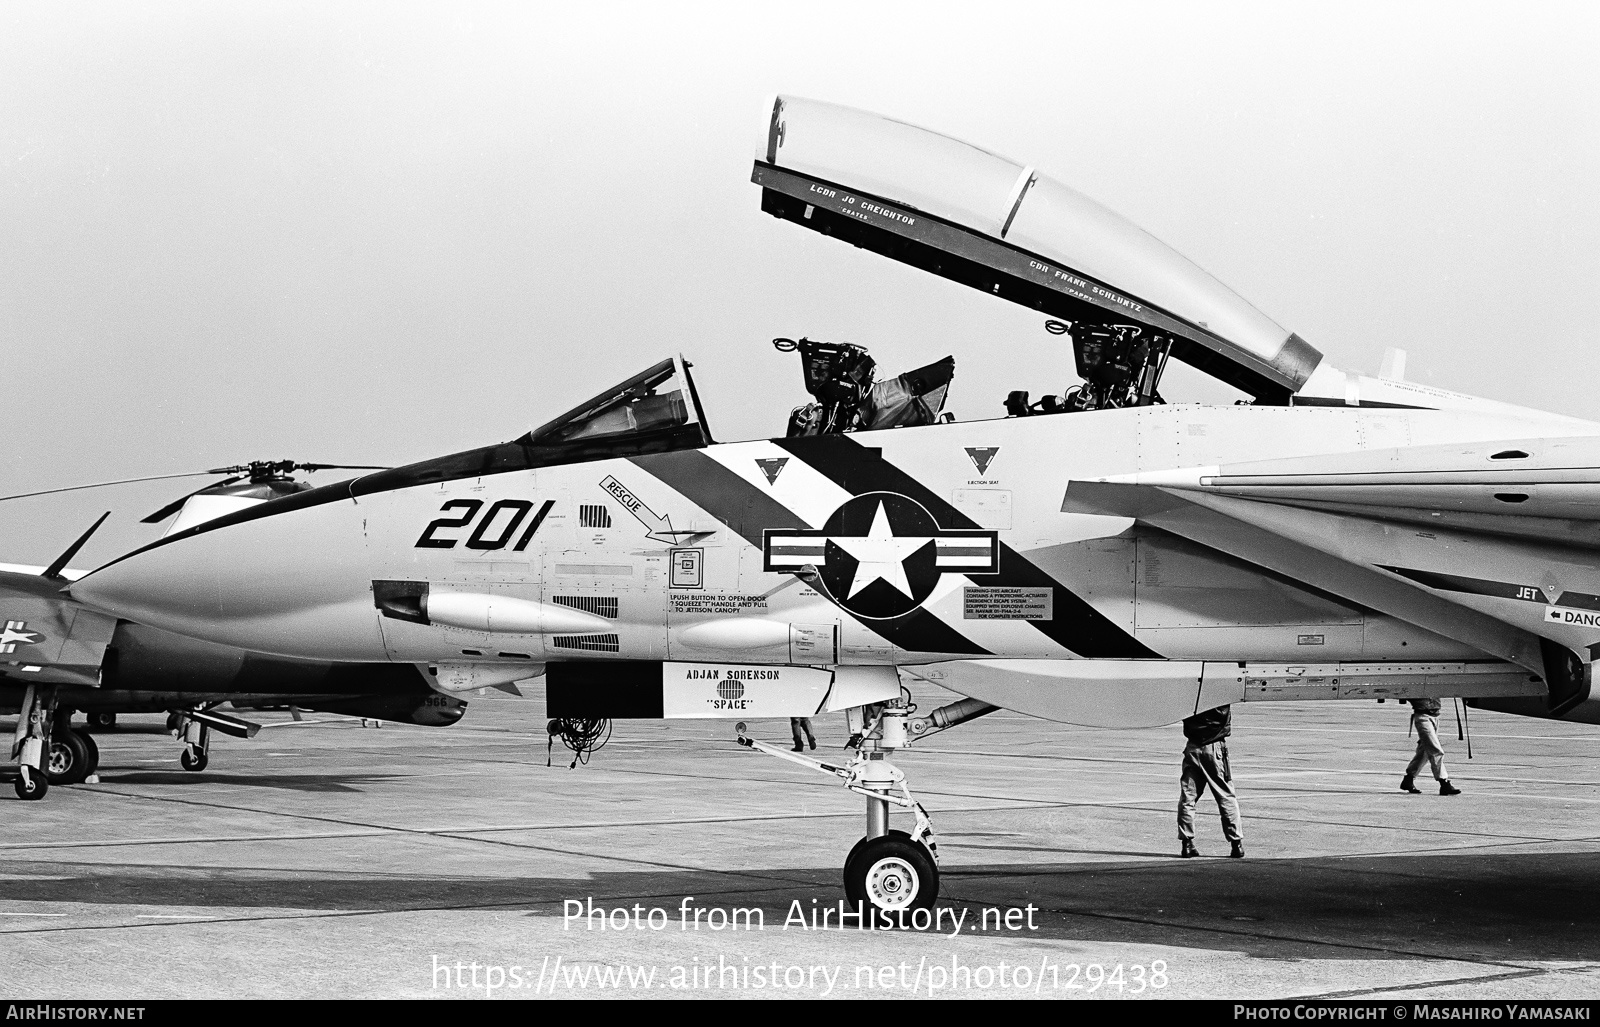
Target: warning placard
[(1007, 604), (1579, 618), (715, 602)]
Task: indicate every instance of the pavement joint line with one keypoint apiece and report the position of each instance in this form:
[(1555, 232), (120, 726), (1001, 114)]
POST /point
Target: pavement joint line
[(110, 842), (455, 832), (435, 834), (1031, 804), (342, 913), (1446, 850), (1419, 985), (1408, 828), (1265, 936)]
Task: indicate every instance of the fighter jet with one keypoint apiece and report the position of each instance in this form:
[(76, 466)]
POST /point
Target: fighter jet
[(58, 658), (1104, 556)]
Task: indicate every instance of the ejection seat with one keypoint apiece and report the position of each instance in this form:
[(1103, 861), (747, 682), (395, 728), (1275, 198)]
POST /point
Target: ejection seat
[(839, 375)]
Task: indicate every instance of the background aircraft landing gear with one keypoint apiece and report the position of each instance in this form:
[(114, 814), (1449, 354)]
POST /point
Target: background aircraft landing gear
[(194, 727), (71, 756), (30, 783), (197, 738), (101, 720), (32, 741)]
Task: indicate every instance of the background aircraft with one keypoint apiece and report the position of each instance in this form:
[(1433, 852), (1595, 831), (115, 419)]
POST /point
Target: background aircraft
[(57, 659), (1125, 561)]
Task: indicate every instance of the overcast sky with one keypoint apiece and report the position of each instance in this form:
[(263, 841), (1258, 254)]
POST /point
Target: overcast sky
[(379, 232)]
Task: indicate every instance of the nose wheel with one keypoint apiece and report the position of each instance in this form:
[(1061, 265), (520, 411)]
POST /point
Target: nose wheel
[(891, 872)]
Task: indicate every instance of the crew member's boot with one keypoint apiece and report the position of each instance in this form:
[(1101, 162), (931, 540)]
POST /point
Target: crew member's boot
[(1188, 850), (1446, 788), (1409, 784), (1238, 851)]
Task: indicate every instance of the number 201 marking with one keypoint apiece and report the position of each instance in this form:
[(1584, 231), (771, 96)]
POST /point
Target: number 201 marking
[(480, 538)]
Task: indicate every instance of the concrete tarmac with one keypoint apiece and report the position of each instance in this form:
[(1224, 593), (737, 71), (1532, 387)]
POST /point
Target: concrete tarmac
[(324, 859)]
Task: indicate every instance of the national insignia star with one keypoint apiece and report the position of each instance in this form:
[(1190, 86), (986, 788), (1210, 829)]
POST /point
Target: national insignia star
[(880, 554)]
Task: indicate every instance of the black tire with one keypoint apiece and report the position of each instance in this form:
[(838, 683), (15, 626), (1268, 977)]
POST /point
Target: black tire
[(851, 895), (34, 786), (102, 721), (94, 753), (892, 872), (195, 761), (67, 760)]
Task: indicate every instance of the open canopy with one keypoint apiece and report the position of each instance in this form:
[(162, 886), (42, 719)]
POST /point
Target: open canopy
[(655, 401), (1001, 226)]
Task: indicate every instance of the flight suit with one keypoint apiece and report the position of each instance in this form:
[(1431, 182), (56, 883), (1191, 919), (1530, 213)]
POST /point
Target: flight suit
[(1205, 764), (1425, 718)]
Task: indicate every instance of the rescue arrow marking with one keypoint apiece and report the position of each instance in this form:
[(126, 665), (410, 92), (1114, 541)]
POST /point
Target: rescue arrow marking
[(659, 528)]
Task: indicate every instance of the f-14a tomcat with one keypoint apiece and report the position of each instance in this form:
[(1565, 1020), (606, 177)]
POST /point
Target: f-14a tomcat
[(1102, 557)]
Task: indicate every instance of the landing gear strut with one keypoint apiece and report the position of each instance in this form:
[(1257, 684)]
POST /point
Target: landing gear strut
[(32, 741), (886, 870), (194, 727), (196, 744)]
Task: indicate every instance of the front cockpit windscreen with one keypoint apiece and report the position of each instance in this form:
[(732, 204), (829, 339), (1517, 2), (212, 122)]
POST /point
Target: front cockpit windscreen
[(658, 401)]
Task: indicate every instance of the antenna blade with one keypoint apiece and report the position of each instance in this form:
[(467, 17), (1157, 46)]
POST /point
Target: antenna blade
[(60, 563)]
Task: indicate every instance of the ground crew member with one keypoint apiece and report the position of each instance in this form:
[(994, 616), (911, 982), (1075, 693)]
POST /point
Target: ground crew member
[(798, 724), (1425, 718), (1205, 762)]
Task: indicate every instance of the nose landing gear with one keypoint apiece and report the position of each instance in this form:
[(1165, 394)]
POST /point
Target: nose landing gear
[(886, 870)]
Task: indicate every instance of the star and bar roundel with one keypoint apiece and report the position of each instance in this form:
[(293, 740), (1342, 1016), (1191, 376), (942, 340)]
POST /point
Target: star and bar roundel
[(880, 554)]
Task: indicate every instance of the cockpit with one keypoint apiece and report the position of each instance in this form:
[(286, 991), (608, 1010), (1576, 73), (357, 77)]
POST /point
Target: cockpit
[(654, 410), (658, 400), (1129, 302)]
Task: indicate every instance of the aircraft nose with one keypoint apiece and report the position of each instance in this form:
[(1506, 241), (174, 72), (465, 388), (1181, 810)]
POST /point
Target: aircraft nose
[(239, 586), (161, 587)]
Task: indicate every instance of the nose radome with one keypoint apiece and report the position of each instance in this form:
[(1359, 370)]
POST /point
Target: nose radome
[(258, 586), (162, 587)]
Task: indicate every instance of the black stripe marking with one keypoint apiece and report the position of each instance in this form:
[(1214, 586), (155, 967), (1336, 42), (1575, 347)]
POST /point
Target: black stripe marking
[(750, 512), (1471, 586), (1077, 626), (1497, 589)]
